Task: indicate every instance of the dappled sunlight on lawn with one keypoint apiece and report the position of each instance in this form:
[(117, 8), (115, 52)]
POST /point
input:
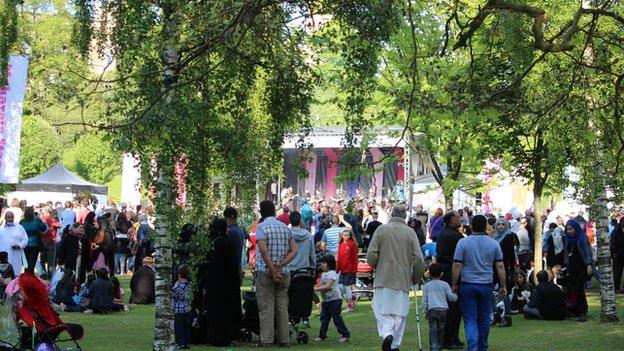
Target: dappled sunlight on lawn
[(133, 331)]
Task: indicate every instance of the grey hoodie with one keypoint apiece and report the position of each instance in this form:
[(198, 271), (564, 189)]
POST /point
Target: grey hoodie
[(305, 256)]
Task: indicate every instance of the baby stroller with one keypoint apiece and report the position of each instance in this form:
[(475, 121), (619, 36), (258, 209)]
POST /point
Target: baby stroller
[(364, 278), (39, 326), (300, 296), (251, 316)]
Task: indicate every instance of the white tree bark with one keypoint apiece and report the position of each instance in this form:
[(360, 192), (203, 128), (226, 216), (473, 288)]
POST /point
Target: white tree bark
[(163, 263), (164, 324), (608, 311)]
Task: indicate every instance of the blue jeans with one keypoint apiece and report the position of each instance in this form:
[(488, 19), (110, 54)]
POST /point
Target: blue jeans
[(182, 328), (506, 304), (476, 304), (331, 310), (120, 264), (437, 319)]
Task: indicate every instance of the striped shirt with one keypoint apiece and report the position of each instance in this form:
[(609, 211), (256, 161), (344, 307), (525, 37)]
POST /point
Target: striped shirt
[(331, 236)]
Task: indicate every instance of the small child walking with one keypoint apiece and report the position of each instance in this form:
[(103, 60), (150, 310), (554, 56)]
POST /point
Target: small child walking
[(347, 266), (332, 301), (435, 295), (182, 308)]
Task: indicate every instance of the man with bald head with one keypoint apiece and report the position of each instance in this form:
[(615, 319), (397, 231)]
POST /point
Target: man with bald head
[(394, 253), (13, 239)]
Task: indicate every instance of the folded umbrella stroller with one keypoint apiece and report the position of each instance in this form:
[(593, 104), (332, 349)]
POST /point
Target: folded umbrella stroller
[(300, 296)]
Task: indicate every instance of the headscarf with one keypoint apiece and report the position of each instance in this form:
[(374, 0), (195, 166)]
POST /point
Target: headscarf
[(500, 236), (578, 231), (89, 226)]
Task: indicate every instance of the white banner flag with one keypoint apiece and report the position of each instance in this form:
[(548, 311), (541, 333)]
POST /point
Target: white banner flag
[(11, 104)]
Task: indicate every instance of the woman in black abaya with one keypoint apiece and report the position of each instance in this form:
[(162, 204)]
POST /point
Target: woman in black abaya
[(221, 282)]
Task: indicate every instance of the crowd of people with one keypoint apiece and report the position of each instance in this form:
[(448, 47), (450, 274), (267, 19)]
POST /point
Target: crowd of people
[(479, 267), (76, 249)]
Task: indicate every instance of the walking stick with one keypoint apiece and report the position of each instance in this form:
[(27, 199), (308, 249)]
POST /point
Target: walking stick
[(415, 287)]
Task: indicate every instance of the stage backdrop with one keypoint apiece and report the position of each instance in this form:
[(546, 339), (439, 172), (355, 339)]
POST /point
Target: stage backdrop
[(11, 103)]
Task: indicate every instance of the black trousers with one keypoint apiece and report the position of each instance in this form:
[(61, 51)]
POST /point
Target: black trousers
[(31, 253), (578, 286), (453, 320), (618, 268)]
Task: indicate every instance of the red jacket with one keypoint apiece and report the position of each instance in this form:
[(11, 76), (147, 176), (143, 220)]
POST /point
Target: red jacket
[(53, 227), (347, 260)]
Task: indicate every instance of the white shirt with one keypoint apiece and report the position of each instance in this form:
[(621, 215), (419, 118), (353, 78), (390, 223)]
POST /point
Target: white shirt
[(13, 235)]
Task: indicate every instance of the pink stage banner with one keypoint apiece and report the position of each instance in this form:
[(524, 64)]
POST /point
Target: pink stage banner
[(11, 105)]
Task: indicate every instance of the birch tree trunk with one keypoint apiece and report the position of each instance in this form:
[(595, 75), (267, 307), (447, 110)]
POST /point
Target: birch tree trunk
[(600, 213), (163, 263), (608, 311), (164, 323)]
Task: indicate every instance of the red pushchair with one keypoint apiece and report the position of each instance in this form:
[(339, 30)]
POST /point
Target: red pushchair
[(364, 278), (40, 327)]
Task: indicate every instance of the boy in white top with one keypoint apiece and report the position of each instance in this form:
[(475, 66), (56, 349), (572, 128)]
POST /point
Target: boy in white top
[(435, 296)]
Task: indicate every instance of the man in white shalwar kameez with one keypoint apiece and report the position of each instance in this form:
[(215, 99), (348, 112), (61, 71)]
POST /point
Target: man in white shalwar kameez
[(396, 256), (13, 239)]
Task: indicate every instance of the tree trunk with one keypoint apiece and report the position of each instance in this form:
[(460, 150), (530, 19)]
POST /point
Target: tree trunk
[(163, 263), (608, 311), (448, 200), (538, 261), (164, 326)]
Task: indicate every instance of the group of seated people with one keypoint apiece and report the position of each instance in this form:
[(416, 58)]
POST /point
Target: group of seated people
[(101, 293), (547, 300)]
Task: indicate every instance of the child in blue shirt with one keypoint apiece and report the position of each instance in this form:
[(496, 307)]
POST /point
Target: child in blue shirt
[(182, 308)]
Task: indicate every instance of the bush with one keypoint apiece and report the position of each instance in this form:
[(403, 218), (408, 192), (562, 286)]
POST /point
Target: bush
[(40, 147), (96, 160)]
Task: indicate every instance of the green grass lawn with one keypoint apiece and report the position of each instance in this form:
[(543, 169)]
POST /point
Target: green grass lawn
[(134, 330)]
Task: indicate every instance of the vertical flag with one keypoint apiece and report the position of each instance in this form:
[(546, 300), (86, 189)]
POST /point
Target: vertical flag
[(11, 105)]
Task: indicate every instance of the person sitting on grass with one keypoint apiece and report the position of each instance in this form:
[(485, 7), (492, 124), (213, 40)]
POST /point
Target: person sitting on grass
[(102, 294), (520, 293), (332, 300), (547, 300), (142, 284), (65, 291), (6, 273), (119, 291), (435, 295)]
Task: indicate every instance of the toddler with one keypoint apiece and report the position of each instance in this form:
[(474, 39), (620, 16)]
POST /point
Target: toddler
[(435, 295), (332, 301)]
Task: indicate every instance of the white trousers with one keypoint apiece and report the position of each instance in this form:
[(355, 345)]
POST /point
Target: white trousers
[(391, 308), (390, 324)]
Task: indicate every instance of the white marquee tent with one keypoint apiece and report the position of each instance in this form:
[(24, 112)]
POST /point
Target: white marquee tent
[(57, 184)]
